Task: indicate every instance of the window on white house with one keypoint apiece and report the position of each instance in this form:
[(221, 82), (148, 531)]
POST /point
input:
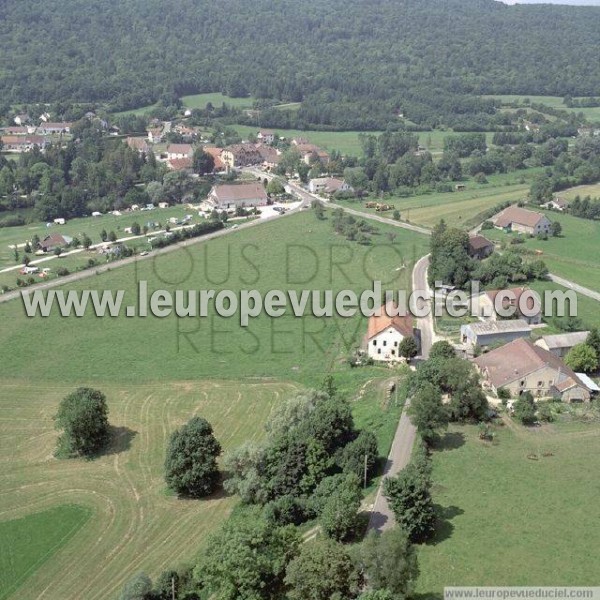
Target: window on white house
[(378, 350), (374, 342), (393, 353), (540, 383), (385, 342), (523, 383)]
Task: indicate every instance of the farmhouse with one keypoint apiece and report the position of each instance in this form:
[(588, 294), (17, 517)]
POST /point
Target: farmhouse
[(385, 333), (487, 333), (561, 344), (524, 367), (175, 151), (48, 128), (266, 136), (241, 155), (328, 185), (480, 247), (19, 143), (51, 242), (520, 220), (487, 303), (216, 154), (559, 204), (270, 156), (180, 164), (234, 195), (311, 153)]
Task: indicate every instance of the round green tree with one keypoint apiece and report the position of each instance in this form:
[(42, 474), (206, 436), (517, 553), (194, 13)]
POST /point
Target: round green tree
[(83, 418), (191, 464)]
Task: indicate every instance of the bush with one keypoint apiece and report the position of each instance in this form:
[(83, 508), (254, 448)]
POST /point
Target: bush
[(12, 221), (62, 271), (286, 510)]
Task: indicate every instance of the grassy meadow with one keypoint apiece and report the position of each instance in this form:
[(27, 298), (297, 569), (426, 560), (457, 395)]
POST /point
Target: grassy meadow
[(510, 520), (593, 114), (133, 523), (575, 255), (299, 252)]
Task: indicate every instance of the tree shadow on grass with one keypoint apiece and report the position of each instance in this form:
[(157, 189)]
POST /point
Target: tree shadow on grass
[(443, 526), (120, 439), (449, 441), (427, 596)]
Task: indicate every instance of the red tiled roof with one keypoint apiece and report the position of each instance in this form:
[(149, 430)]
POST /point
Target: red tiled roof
[(379, 323), (516, 214)]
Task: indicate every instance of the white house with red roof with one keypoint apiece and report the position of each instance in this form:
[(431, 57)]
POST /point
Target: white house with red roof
[(385, 333)]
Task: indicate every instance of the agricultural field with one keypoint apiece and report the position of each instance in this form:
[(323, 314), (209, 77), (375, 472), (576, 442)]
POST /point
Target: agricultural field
[(575, 255), (133, 522), (91, 226), (593, 191), (216, 99), (507, 519), (298, 252)]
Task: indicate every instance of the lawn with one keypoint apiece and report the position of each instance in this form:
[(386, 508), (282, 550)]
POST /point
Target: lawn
[(92, 226), (510, 520), (216, 99), (28, 542), (298, 252), (575, 255)]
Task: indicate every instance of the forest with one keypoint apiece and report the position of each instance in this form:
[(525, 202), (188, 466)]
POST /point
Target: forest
[(354, 64)]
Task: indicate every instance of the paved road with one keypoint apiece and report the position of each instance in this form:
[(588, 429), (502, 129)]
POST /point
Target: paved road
[(575, 287), (382, 517)]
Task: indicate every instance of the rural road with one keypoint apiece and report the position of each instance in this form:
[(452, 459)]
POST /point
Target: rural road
[(382, 517), (575, 287)]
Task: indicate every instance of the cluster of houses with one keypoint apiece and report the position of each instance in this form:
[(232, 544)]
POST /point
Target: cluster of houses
[(24, 136), (261, 153)]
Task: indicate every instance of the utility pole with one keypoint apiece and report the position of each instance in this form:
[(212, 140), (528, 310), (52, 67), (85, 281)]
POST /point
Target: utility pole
[(365, 472)]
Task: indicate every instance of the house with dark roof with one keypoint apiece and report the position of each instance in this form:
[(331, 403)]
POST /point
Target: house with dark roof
[(520, 220), (54, 241), (480, 247), (521, 366), (238, 194), (385, 333)]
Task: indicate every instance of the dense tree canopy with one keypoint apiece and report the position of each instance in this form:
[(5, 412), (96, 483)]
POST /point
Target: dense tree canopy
[(351, 64), (83, 418)]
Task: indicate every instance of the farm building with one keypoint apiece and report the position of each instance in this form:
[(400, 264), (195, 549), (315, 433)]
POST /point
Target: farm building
[(328, 185), (234, 195), (179, 151), (385, 333), (524, 367), (480, 247), (241, 155), (487, 304), (51, 242), (521, 220), (561, 344), (266, 136), (488, 333)]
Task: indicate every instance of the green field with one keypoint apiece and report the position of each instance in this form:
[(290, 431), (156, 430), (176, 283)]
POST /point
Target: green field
[(298, 252), (575, 255), (28, 542), (92, 226), (509, 520), (593, 114), (216, 99), (134, 524), (582, 191)]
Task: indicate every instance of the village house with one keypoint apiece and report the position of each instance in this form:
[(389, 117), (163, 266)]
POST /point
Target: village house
[(20, 143), (241, 194), (216, 154), (562, 343), (181, 164), (177, 151), (486, 303), (270, 157), (521, 220), (155, 135), (480, 247), (138, 143), (328, 185), (266, 136), (385, 333), (489, 333), (522, 367), (50, 128), (54, 241), (241, 155), (311, 153)]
